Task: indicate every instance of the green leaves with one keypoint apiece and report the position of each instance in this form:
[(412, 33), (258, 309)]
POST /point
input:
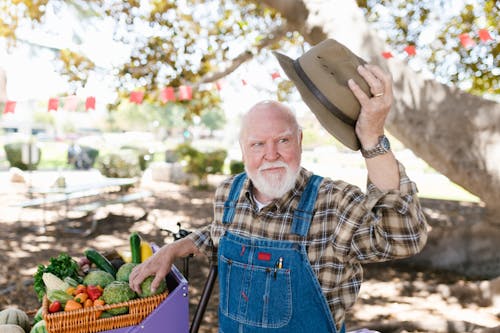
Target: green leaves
[(61, 266), (409, 22)]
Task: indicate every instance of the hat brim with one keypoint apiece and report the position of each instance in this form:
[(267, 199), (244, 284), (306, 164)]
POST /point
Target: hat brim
[(341, 131)]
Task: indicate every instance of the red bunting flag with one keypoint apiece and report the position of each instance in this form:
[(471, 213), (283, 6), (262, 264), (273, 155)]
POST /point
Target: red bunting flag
[(484, 35), (185, 93), (387, 55), (53, 104), (167, 94), (244, 82), (136, 97), (410, 50), (466, 40), (90, 103), (275, 75), (70, 103), (10, 107)]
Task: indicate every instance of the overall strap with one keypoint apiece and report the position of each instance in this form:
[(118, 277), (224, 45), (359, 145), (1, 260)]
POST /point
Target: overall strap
[(302, 216), (232, 199)]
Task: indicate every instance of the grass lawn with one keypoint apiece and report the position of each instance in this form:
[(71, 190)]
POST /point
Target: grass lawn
[(350, 167)]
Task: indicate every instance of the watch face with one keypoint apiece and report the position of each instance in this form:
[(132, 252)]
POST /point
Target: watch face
[(384, 142)]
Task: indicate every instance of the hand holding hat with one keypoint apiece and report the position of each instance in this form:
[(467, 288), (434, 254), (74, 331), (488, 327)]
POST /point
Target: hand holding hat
[(374, 109), (321, 76)]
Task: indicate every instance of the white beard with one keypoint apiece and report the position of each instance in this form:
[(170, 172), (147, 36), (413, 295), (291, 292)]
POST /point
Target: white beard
[(274, 185)]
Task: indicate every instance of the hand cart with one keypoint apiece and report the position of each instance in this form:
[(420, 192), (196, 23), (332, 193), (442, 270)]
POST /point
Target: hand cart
[(172, 315)]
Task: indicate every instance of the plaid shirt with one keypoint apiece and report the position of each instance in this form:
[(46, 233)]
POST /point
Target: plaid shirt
[(348, 228)]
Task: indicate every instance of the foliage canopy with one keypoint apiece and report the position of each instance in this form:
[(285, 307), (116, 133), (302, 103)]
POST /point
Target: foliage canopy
[(194, 42)]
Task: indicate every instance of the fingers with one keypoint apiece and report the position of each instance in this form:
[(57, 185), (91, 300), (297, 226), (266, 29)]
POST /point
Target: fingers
[(156, 282), (356, 90), (375, 105), (144, 270), (136, 277), (380, 83), (383, 77)]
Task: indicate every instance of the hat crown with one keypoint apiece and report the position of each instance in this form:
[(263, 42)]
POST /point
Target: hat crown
[(338, 62), (321, 75)]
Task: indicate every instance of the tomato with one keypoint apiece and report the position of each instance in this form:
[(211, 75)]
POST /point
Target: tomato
[(55, 307)]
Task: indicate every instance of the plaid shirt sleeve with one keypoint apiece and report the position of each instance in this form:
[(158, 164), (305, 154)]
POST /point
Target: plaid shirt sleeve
[(203, 238), (392, 224)]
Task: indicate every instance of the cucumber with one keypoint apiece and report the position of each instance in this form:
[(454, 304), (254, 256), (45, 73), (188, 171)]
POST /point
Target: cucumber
[(59, 295), (135, 247), (72, 282), (100, 261)]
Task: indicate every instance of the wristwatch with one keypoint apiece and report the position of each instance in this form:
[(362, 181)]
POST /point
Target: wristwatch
[(382, 147)]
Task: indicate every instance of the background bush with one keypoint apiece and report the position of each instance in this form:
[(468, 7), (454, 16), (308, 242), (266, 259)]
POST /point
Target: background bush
[(236, 167), (14, 154), (199, 163), (121, 164)]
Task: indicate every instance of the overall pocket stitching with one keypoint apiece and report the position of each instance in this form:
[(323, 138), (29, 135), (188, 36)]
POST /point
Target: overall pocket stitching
[(285, 274)]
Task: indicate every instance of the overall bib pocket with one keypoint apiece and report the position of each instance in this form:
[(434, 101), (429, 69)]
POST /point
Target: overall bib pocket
[(255, 295)]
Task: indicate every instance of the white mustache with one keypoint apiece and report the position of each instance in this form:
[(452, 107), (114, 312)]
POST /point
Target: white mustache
[(270, 165)]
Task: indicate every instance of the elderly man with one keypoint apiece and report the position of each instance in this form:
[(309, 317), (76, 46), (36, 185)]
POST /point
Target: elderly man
[(290, 244)]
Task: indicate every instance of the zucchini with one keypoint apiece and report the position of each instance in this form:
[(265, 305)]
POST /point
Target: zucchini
[(100, 261), (135, 247)]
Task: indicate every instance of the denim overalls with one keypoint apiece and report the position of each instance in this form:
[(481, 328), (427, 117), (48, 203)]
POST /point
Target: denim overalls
[(269, 285)]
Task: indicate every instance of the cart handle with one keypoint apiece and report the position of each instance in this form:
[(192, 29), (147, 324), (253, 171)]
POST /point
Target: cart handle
[(205, 297)]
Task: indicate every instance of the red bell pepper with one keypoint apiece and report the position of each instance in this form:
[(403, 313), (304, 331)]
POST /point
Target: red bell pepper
[(94, 292)]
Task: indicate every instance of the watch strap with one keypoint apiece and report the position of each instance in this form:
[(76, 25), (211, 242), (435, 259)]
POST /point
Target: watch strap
[(382, 147)]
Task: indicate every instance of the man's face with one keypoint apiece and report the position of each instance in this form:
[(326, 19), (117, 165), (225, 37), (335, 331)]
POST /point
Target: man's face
[(271, 148)]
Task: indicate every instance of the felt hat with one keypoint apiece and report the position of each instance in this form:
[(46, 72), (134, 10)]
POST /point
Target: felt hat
[(321, 76)]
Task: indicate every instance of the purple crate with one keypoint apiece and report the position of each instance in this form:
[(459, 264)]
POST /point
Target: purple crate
[(172, 315)]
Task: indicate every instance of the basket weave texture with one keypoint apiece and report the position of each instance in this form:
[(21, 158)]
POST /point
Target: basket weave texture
[(86, 320)]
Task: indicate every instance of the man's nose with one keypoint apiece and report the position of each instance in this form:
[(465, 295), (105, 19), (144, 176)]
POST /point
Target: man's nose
[(271, 153)]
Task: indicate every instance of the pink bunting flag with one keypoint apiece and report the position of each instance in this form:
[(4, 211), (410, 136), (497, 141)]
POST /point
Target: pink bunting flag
[(90, 103), (136, 97), (10, 107), (244, 82), (185, 93), (484, 35), (275, 75), (387, 55), (70, 103), (466, 41), (53, 104), (218, 85), (410, 50), (167, 94)]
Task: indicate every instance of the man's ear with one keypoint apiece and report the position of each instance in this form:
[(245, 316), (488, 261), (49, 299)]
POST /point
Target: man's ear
[(242, 150)]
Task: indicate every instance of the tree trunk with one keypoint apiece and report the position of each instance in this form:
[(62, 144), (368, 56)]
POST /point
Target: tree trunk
[(456, 133)]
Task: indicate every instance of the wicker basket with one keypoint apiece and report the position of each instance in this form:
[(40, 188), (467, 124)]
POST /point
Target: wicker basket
[(86, 320)]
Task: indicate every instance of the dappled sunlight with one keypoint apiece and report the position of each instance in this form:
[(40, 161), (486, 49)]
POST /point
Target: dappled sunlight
[(111, 241), (433, 299), (28, 271), (388, 295)]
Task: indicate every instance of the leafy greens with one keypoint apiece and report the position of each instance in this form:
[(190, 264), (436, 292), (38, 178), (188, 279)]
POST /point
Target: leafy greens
[(61, 266)]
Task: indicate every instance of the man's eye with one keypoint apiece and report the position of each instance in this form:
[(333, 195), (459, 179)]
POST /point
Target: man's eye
[(256, 144), (284, 140)]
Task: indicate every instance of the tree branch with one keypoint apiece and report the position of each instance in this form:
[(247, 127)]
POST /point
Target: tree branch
[(274, 36)]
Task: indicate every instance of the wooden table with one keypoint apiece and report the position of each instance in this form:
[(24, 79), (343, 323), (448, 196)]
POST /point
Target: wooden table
[(99, 193)]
